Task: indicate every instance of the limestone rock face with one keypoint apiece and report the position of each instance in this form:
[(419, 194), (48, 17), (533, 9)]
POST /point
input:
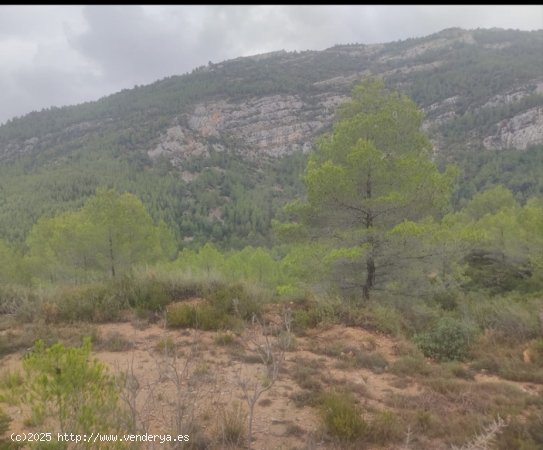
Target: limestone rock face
[(278, 103), (270, 126), (519, 132)]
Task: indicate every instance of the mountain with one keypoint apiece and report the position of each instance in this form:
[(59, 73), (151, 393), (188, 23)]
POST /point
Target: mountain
[(216, 152)]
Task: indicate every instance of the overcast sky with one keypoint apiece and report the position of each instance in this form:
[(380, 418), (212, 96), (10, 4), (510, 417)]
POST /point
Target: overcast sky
[(61, 55)]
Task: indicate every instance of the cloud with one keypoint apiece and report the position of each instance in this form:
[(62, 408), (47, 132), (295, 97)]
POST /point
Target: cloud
[(57, 55)]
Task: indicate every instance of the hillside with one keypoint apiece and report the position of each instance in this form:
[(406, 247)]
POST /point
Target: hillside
[(206, 150), (390, 308)]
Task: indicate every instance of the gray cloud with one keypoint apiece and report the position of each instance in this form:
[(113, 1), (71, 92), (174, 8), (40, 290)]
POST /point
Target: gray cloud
[(58, 55)]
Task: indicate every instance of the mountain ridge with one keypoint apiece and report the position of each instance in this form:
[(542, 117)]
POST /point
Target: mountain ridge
[(481, 92)]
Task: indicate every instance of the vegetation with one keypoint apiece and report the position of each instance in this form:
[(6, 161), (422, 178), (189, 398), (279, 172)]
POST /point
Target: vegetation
[(369, 180), (377, 240), (54, 160), (342, 417), (64, 385)]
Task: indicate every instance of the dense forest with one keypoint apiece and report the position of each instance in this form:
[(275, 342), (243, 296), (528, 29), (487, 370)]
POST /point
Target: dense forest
[(371, 230), (53, 160)]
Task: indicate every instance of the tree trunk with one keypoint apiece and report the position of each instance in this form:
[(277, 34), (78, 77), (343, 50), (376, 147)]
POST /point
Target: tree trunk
[(112, 260), (370, 262), (370, 277)]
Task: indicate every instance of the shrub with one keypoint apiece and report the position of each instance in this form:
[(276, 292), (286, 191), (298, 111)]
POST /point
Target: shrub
[(509, 319), (448, 340), (459, 370), (11, 383), (309, 312), (210, 319), (90, 303), (304, 375), (342, 417), (506, 359), (14, 299), (236, 300), (385, 427), (145, 293), (410, 366), (64, 383), (203, 317), (418, 317), (306, 398), (224, 339), (302, 320), (387, 319), (114, 342), (373, 361), (447, 300), (536, 352), (232, 426), (165, 345), (181, 315), (5, 442)]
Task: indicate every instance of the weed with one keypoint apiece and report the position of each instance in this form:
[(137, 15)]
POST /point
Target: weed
[(232, 426), (385, 427), (306, 398), (225, 339), (114, 342), (305, 377), (342, 417), (166, 345), (410, 366)]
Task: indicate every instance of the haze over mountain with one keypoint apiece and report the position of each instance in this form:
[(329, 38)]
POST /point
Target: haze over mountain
[(216, 152)]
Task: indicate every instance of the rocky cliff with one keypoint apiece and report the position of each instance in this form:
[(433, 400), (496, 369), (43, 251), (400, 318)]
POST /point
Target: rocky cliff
[(478, 89)]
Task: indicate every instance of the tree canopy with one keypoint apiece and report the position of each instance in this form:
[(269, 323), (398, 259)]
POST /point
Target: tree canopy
[(372, 173), (110, 234)]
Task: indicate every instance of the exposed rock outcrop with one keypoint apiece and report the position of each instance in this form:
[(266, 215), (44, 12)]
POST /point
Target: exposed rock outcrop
[(261, 126), (520, 132)]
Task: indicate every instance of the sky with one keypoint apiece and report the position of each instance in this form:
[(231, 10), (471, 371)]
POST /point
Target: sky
[(62, 55)]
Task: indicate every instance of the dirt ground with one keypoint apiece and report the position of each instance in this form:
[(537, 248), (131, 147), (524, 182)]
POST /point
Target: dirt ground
[(203, 374)]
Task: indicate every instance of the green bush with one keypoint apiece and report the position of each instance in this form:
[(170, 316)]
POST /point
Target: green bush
[(302, 320), (64, 384), (203, 317), (447, 300), (342, 417), (310, 312), (181, 316), (144, 293), (98, 302), (209, 319), (448, 340), (74, 303), (236, 300), (387, 319)]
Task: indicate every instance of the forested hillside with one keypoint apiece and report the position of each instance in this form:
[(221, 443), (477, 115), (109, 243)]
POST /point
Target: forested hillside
[(382, 288), (216, 152)]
